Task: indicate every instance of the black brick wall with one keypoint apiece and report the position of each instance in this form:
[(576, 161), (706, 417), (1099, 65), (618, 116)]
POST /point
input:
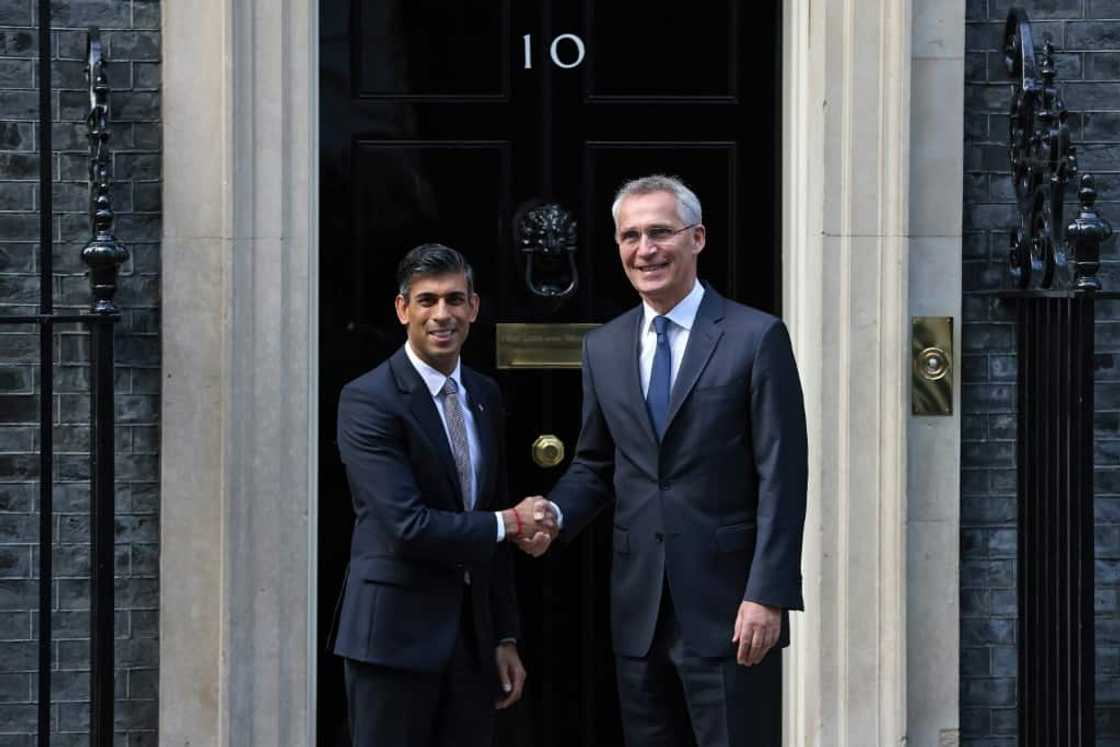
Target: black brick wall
[(1087, 36), (131, 30)]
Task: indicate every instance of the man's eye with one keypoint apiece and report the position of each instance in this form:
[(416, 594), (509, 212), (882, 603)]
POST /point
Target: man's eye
[(630, 237), (658, 233)]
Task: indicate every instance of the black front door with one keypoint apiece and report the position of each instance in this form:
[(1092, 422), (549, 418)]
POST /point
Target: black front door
[(469, 122)]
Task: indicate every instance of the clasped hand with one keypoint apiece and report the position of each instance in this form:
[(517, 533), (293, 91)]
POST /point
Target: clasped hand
[(532, 525)]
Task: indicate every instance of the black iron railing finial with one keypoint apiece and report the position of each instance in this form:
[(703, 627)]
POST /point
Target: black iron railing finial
[(1086, 233), (103, 254)]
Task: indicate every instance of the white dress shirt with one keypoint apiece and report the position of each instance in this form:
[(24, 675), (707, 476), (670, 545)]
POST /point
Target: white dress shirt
[(434, 381), (682, 316)]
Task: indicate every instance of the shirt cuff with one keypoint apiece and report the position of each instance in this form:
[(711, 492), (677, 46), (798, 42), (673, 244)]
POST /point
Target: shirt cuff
[(501, 526), (559, 515)]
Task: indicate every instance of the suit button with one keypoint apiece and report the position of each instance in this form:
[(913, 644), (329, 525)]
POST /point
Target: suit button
[(659, 537)]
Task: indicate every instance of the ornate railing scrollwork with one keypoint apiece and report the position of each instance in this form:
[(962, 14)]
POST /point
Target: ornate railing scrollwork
[(1043, 161), (103, 253), (546, 235)]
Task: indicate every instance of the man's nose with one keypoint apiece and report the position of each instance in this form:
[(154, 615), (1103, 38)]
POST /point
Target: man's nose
[(645, 244), (441, 310)]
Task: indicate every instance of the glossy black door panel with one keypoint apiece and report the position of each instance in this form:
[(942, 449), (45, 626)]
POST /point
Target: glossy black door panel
[(639, 49), (404, 189), (431, 48), (451, 121)]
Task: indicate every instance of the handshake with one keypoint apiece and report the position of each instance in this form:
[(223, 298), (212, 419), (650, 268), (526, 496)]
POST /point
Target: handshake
[(532, 524)]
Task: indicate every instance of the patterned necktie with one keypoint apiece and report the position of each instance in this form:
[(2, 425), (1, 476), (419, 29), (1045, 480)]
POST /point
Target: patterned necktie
[(657, 396), (457, 430)]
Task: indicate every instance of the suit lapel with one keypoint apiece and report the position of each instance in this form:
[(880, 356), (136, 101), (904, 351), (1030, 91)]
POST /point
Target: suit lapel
[(424, 410), (487, 437), (702, 341)]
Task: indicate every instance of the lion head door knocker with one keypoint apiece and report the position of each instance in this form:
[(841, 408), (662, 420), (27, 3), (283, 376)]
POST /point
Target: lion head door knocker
[(545, 235)]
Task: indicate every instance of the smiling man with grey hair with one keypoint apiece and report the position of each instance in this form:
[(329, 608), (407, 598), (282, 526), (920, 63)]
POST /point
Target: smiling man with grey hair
[(694, 428)]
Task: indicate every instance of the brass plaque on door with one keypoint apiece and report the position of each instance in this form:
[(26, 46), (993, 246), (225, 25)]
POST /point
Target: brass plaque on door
[(540, 345)]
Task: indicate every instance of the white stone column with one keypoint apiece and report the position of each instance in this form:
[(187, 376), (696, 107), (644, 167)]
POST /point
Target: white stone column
[(933, 531), (846, 171), (239, 399)]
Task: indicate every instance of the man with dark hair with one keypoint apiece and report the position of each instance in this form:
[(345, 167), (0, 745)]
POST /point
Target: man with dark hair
[(427, 621), (694, 427)]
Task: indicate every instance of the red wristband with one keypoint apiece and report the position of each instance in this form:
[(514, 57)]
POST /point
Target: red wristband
[(516, 518)]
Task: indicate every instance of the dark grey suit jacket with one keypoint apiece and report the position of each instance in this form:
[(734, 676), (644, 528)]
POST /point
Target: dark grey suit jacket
[(403, 596), (718, 506)]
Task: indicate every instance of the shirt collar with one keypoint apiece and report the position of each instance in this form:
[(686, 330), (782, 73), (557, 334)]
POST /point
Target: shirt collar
[(683, 314), (433, 379)]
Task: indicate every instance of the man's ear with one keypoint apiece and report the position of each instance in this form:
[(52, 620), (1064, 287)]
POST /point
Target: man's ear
[(401, 304), (474, 302), (699, 235)]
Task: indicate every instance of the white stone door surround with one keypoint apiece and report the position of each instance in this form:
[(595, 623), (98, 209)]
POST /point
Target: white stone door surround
[(240, 303)]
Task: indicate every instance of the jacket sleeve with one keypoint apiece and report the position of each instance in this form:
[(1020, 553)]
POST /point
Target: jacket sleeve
[(371, 441), (781, 458), (586, 487), (503, 592)]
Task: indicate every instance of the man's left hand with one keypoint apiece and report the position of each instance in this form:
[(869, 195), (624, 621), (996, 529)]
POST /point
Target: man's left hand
[(757, 627), (511, 673)]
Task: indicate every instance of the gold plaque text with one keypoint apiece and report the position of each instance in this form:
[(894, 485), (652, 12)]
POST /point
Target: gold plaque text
[(541, 345)]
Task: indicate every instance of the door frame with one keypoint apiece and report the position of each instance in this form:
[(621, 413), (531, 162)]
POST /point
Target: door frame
[(239, 399)]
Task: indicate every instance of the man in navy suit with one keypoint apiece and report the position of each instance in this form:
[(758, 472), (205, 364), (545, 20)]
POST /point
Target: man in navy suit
[(694, 427), (428, 619)]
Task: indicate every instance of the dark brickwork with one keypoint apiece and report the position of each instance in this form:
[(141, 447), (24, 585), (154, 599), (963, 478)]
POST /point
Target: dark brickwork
[(1087, 35), (131, 29)]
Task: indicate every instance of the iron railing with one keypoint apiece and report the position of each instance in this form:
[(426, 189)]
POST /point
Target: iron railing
[(103, 254), (1053, 267)]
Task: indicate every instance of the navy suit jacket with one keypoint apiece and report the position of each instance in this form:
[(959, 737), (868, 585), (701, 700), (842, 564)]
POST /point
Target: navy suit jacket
[(718, 506), (401, 604)]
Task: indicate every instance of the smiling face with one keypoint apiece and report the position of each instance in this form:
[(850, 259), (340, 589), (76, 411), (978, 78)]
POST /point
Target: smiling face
[(663, 271), (438, 313)]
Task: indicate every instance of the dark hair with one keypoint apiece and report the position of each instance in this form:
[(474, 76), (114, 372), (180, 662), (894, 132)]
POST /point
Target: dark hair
[(427, 260)]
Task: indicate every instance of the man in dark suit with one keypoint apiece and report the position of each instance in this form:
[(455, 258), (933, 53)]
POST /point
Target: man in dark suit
[(428, 621), (694, 426)]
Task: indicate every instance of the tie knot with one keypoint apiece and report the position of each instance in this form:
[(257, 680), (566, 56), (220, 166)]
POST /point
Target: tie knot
[(450, 387), (660, 324)]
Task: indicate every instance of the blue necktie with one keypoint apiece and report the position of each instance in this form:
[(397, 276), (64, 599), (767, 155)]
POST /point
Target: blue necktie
[(657, 397)]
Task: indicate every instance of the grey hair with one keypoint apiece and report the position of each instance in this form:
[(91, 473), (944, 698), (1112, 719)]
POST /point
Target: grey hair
[(688, 204), (427, 260)]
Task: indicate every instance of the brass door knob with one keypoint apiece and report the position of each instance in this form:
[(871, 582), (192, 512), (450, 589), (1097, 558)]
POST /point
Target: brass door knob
[(548, 450)]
